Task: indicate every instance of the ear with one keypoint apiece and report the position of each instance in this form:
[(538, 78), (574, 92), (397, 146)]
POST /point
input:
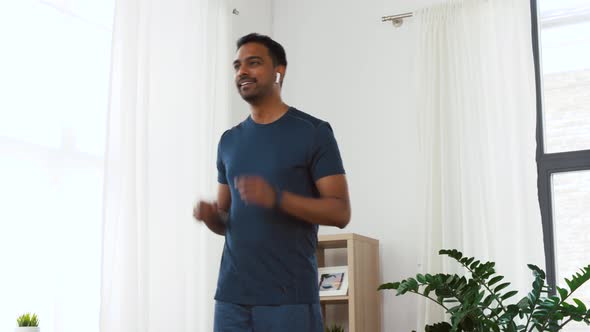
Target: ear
[(280, 74)]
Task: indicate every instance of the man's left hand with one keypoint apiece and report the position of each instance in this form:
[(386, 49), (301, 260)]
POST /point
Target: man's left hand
[(255, 190)]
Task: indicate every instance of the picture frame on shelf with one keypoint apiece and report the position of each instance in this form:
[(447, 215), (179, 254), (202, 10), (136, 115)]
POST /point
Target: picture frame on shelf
[(333, 280)]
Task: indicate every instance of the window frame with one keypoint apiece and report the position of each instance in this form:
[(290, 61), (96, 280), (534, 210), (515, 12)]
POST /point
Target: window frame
[(549, 163)]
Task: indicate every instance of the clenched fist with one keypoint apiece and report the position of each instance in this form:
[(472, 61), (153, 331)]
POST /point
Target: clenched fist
[(206, 212), (255, 190)]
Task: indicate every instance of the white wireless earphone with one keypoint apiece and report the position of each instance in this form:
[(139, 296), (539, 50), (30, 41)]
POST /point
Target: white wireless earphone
[(278, 79)]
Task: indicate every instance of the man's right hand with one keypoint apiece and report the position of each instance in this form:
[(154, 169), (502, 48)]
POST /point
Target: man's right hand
[(214, 214), (206, 212)]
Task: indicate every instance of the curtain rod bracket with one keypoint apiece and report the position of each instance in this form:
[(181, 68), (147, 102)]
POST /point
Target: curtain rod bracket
[(396, 20)]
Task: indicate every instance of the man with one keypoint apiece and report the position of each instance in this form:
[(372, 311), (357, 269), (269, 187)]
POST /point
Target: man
[(280, 176)]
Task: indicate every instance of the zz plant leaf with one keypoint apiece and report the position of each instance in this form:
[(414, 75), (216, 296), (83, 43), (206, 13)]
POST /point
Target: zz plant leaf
[(479, 303)]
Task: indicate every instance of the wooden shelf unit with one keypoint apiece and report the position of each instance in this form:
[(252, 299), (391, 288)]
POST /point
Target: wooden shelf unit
[(363, 299)]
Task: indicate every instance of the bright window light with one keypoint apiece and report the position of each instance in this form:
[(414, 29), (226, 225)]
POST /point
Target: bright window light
[(54, 79)]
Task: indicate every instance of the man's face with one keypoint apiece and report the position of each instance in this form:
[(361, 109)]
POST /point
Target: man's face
[(254, 72)]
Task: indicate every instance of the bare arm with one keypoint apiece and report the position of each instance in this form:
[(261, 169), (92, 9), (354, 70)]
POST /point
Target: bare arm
[(332, 208)]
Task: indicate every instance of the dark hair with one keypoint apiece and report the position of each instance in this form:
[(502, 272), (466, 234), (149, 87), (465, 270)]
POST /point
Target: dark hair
[(275, 50)]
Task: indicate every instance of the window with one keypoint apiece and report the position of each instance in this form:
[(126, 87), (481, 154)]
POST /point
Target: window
[(561, 38), (54, 80)]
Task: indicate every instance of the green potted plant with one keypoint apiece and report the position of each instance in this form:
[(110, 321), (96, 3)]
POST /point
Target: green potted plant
[(335, 328), (480, 303), (27, 323)]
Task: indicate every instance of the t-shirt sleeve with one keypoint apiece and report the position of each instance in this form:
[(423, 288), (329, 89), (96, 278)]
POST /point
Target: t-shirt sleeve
[(325, 155), (221, 172)]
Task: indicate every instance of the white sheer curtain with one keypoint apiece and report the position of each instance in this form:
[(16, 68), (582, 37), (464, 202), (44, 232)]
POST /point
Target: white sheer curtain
[(167, 107), (476, 104)]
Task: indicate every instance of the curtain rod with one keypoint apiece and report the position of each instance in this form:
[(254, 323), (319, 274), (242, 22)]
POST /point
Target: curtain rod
[(396, 20)]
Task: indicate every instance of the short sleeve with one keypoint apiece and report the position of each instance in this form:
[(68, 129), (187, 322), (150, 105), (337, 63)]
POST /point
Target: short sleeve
[(221, 172), (325, 155)]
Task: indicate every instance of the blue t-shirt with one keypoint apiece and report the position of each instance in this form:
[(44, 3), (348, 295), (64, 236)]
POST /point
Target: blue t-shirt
[(269, 256)]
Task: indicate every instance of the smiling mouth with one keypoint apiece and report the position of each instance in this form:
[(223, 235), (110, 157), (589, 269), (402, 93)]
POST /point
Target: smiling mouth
[(245, 83)]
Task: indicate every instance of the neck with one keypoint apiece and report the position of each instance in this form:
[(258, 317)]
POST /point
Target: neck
[(268, 110)]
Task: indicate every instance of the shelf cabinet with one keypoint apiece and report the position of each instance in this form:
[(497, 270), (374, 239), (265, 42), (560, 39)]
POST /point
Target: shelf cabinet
[(363, 300)]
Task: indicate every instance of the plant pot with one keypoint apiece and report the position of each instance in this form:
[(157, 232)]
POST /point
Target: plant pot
[(27, 329)]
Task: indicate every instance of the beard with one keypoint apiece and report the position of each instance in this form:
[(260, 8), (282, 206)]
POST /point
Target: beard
[(252, 97)]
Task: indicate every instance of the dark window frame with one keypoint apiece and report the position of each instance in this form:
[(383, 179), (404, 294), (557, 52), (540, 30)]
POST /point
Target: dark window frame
[(549, 163)]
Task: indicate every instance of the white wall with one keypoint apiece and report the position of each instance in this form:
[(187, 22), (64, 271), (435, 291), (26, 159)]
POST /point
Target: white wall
[(349, 68)]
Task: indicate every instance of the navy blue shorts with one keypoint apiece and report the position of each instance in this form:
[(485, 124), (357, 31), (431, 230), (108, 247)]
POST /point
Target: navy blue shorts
[(280, 318)]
